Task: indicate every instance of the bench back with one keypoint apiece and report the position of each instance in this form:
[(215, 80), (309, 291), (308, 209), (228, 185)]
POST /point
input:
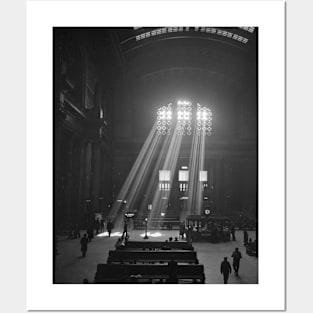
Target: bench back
[(180, 256), (123, 272), (176, 245)]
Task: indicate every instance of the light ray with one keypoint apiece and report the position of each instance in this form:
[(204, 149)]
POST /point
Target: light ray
[(145, 152), (153, 181), (170, 162), (200, 191)]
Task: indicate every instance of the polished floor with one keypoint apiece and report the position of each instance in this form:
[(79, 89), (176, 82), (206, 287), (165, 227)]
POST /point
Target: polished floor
[(70, 267)]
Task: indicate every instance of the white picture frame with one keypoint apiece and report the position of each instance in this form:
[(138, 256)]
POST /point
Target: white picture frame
[(269, 17)]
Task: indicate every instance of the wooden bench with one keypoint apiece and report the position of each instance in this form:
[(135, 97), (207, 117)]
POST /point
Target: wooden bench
[(126, 273), (175, 245), (161, 256), (251, 249)]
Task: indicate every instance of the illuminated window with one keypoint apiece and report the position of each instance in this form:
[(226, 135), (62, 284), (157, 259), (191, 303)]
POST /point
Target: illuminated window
[(184, 118), (248, 29), (164, 186), (161, 31), (164, 119), (204, 120), (224, 33), (203, 176), (204, 186), (183, 187), (209, 30), (183, 175), (164, 175), (164, 180)]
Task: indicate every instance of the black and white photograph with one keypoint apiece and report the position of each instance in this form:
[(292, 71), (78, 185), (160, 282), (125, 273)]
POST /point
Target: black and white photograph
[(155, 146), (156, 169)]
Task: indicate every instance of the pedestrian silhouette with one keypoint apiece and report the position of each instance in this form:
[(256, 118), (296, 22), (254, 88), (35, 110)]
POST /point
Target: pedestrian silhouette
[(232, 230), (83, 245), (182, 230), (236, 260), (125, 230), (102, 225), (245, 237), (90, 233), (225, 269), (166, 246), (97, 225), (109, 227)]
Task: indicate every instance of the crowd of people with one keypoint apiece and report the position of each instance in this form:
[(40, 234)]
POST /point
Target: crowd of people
[(91, 225)]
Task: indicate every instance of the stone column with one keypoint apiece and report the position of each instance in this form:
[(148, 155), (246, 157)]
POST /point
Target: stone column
[(85, 182), (95, 176), (82, 180), (76, 170), (58, 138), (105, 186), (219, 191), (68, 179)]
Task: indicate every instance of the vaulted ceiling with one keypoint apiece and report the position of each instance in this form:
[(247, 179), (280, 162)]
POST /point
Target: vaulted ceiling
[(142, 69), (214, 66)]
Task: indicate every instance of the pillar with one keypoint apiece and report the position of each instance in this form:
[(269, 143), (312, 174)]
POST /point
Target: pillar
[(219, 190), (95, 176), (82, 181), (68, 179)]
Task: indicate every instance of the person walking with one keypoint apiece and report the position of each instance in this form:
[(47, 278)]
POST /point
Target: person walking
[(83, 245), (182, 231), (232, 230), (236, 260), (225, 269), (97, 226), (245, 237), (125, 230), (109, 227), (90, 233), (102, 225)]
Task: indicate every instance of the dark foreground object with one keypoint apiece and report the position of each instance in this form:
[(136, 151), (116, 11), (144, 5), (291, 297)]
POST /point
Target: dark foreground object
[(175, 245), (165, 256), (132, 274), (251, 249)]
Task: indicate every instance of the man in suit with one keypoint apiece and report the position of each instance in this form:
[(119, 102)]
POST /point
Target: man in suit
[(225, 269), (83, 245), (236, 260)]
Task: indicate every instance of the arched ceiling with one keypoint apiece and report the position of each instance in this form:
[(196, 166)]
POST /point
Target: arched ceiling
[(187, 49), (214, 66)]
